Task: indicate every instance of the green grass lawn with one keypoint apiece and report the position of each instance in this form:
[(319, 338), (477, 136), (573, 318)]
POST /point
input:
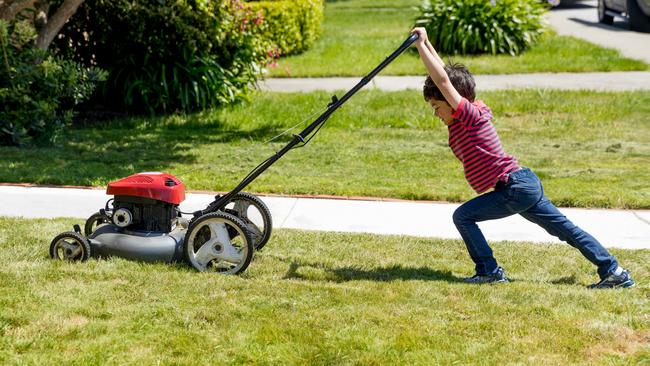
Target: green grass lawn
[(590, 149), (359, 34), (314, 298)]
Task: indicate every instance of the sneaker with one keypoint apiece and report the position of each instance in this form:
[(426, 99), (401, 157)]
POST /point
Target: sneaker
[(497, 276), (615, 281)]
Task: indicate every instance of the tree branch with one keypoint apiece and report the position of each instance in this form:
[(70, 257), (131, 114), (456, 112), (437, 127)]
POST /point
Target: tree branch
[(10, 8), (56, 22)]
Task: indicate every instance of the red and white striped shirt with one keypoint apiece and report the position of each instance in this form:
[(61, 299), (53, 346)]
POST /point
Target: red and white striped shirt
[(474, 141)]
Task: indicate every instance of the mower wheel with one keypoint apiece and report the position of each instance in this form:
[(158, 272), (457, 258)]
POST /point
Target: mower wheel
[(218, 242), (255, 214), (93, 221), (70, 246)]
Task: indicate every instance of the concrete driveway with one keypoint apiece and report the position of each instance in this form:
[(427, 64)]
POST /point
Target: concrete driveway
[(581, 20)]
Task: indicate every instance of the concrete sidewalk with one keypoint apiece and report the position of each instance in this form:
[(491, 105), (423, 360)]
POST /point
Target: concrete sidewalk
[(614, 228), (603, 81)]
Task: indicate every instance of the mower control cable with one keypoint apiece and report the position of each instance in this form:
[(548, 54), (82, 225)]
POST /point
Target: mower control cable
[(296, 125), (278, 154), (212, 166), (302, 139)]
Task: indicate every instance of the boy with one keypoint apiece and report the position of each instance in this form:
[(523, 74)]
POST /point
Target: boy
[(515, 190)]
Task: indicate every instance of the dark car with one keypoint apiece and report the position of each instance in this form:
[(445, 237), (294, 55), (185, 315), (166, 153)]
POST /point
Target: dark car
[(636, 11)]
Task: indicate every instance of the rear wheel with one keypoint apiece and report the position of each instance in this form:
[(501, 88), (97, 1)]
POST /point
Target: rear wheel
[(218, 242), (602, 14), (70, 246), (254, 214), (93, 221), (638, 20)]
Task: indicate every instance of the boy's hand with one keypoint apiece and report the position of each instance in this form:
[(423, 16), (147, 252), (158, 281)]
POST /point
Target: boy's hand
[(423, 44), (422, 33), (436, 67)]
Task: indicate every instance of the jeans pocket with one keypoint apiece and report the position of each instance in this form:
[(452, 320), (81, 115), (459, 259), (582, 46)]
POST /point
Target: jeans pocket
[(522, 195), (511, 193)]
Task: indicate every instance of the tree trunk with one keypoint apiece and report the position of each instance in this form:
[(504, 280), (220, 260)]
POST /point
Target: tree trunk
[(56, 22)]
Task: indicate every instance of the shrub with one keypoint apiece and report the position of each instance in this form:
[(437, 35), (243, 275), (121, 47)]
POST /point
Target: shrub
[(292, 26), (37, 91), (167, 55), (482, 26)]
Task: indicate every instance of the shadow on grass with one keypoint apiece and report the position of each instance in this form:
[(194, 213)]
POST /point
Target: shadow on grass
[(85, 156), (387, 274), (395, 273), (568, 280)]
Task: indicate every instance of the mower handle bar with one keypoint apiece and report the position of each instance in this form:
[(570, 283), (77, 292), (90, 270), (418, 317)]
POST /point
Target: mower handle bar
[(221, 201)]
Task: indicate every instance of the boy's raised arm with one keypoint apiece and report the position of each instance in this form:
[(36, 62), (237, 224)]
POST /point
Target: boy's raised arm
[(433, 52), (435, 67)]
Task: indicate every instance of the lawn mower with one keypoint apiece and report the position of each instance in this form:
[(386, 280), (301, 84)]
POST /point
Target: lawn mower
[(143, 220)]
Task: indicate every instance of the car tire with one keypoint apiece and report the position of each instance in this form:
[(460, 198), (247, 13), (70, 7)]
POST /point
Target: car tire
[(637, 19), (603, 18)]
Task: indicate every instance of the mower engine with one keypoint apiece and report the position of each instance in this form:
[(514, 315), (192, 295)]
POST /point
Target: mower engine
[(147, 202), (143, 222)]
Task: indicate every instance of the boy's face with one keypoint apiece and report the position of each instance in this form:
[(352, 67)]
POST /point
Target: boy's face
[(442, 110)]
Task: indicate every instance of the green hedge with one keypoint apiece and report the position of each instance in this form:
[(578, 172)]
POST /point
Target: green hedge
[(168, 55), (292, 26), (482, 26)]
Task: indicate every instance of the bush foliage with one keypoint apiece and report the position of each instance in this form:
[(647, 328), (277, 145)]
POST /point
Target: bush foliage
[(292, 26), (37, 90), (168, 55), (482, 26)]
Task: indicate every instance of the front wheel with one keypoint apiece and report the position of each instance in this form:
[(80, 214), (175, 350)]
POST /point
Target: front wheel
[(638, 20), (218, 242), (70, 246)]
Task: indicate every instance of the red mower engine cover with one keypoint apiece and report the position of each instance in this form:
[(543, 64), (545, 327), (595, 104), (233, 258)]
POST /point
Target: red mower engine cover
[(158, 186)]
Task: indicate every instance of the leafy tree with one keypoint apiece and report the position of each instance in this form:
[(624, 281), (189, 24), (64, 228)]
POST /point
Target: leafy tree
[(47, 26), (38, 91)]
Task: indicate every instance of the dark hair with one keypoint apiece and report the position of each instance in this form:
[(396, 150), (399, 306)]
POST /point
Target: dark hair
[(460, 78)]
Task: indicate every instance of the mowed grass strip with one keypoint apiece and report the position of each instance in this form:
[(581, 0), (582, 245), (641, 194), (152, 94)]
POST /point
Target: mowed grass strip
[(590, 149), (313, 298), (358, 35)]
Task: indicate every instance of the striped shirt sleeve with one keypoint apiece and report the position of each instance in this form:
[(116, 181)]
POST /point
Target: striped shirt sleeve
[(469, 115)]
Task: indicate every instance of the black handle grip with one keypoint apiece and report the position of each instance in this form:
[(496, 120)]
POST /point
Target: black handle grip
[(412, 38)]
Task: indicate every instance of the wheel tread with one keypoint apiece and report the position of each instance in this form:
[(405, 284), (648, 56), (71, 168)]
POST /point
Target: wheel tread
[(71, 234), (264, 211)]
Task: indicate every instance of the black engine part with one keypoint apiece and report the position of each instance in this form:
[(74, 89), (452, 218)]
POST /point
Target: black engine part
[(145, 214)]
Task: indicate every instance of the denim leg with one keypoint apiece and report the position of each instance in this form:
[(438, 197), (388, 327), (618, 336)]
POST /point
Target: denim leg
[(546, 215), (522, 192), (489, 206)]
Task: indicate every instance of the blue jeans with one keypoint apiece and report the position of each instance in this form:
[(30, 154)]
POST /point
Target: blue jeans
[(524, 195)]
